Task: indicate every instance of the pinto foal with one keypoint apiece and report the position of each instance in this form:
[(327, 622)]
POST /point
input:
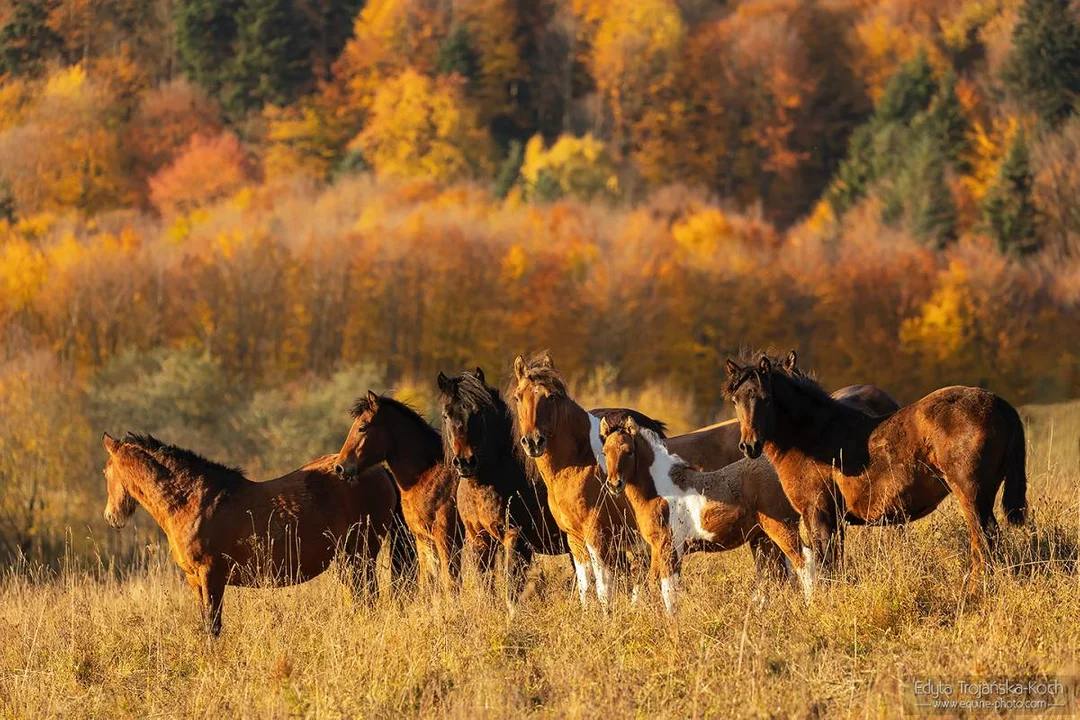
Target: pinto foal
[(679, 509)]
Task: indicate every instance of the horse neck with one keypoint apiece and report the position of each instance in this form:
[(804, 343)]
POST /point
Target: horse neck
[(414, 451), (641, 490), (572, 444), (801, 417), (502, 467), (164, 493)]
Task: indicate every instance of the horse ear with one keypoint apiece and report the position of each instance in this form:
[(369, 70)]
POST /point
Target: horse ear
[(111, 444), (789, 362), (765, 365), (372, 401), (445, 385), (605, 427), (480, 374), (732, 368), (630, 425), (546, 360), (519, 367)]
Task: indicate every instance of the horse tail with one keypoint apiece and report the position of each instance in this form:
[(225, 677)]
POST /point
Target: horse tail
[(1014, 498)]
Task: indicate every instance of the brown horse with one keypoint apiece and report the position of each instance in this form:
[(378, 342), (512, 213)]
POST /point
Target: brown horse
[(501, 500), (836, 462), (713, 447), (564, 441), (387, 430), (224, 529), (679, 509)]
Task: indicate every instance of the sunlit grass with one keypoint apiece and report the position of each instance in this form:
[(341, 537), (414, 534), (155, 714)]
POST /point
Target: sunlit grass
[(91, 642)]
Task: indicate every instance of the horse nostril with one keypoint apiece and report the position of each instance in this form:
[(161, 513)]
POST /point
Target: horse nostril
[(456, 462), (525, 441), (339, 469)]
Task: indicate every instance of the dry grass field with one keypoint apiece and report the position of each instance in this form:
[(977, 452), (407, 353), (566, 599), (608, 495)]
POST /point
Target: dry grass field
[(90, 641)]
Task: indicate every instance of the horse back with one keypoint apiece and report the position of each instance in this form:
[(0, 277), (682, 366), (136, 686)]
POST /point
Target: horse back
[(708, 448)]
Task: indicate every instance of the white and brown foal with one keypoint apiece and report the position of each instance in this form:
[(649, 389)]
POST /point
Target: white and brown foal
[(679, 509)]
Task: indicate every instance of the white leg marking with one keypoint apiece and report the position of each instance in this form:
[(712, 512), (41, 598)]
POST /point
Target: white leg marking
[(669, 588), (602, 577), (582, 570), (807, 575)]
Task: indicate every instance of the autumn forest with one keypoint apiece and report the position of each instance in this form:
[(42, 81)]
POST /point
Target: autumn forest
[(223, 219)]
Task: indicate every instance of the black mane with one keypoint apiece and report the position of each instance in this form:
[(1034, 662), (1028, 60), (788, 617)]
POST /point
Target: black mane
[(172, 456), (475, 395), (802, 379), (362, 405), (619, 415)]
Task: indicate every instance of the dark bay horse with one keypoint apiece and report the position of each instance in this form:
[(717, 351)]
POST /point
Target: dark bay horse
[(501, 500), (836, 462), (224, 529), (714, 446), (679, 509), (387, 430)]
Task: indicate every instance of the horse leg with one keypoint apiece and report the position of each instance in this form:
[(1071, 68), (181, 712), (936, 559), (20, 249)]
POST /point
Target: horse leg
[(668, 565), (826, 536), (403, 558), (768, 558), (429, 563), (602, 554), (518, 558), (785, 536), (967, 499), (212, 583), (449, 558), (486, 551), (582, 567)]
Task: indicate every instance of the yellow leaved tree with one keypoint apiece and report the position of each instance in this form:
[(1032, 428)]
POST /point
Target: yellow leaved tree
[(420, 127)]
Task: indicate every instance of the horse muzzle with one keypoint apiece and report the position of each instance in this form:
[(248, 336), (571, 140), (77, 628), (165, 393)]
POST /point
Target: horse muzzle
[(751, 450), (534, 445), (615, 486), (115, 521), (466, 466)]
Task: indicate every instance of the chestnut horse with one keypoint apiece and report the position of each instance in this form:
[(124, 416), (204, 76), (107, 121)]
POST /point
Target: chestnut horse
[(836, 462), (564, 441), (387, 430), (502, 502), (679, 509), (224, 529)]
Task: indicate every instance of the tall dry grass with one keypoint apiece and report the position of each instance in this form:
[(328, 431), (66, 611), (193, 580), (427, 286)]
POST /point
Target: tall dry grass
[(93, 641)]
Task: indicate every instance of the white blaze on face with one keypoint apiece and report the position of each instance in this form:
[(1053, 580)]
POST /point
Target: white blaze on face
[(596, 444), (685, 505)]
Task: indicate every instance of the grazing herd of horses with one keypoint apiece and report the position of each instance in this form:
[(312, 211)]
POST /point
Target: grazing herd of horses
[(530, 471)]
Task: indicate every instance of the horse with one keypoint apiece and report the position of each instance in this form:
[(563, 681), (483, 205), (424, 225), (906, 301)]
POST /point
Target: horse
[(836, 462), (679, 509), (388, 430), (224, 529), (500, 499), (714, 446)]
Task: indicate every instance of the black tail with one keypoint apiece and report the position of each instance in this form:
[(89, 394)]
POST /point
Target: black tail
[(1014, 499)]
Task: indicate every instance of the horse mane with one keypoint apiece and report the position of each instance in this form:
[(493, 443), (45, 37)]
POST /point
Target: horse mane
[(476, 395), (362, 405), (618, 419), (172, 456), (539, 370), (803, 379)]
